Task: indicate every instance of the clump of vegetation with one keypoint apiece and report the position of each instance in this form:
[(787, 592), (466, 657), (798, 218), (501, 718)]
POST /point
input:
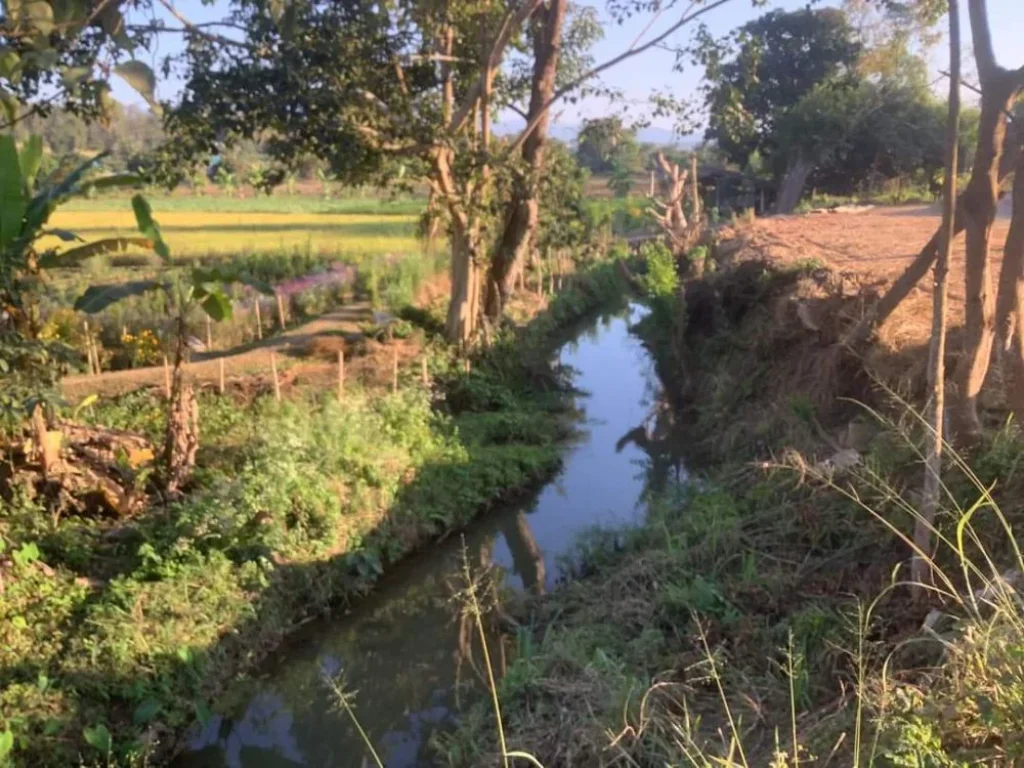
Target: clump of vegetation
[(117, 626)]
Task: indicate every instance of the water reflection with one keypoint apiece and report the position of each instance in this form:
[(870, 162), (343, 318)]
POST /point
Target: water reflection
[(400, 649)]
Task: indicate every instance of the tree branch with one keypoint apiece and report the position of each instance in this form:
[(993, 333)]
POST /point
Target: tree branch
[(685, 19), (511, 22), (198, 31), (984, 55), (975, 89)]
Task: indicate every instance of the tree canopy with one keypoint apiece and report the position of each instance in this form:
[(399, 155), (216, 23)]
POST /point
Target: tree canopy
[(766, 67)]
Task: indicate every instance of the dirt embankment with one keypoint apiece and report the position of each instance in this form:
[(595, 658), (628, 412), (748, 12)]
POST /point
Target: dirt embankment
[(876, 246), (765, 357)]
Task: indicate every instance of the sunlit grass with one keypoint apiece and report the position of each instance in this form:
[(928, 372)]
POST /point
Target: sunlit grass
[(201, 233)]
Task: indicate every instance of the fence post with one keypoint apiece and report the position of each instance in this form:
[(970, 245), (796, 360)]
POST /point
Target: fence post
[(280, 311), (423, 371), (259, 321), (209, 334), (277, 382), (220, 375), (341, 375), (394, 370), (167, 378)]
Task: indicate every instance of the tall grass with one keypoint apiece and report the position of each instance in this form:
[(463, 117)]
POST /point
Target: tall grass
[(668, 611)]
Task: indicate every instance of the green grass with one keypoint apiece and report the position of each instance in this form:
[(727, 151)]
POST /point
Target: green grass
[(133, 628), (759, 616)]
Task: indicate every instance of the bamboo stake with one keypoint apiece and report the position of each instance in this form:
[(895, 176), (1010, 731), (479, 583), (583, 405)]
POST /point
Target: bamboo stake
[(277, 382), (280, 311), (394, 370), (921, 567), (341, 375), (220, 376), (167, 378), (259, 321), (209, 334), (424, 374)]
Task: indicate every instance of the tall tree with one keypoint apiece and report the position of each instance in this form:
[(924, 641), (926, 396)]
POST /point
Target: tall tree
[(384, 91), (999, 90), (764, 70), (522, 216)]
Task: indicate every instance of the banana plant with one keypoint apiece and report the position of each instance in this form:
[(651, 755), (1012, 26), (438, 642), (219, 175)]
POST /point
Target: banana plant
[(202, 288), (29, 366)]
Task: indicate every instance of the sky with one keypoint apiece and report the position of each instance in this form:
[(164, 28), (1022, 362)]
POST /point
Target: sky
[(652, 70)]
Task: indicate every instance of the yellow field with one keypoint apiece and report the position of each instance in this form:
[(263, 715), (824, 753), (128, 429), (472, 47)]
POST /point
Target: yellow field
[(197, 233)]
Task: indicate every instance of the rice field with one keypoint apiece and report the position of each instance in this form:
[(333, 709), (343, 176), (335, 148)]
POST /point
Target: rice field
[(199, 227)]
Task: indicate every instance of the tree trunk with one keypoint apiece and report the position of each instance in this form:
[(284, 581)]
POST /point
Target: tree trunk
[(904, 284), (999, 89), (522, 213), (463, 308), (181, 440), (1010, 301), (792, 186), (936, 364)]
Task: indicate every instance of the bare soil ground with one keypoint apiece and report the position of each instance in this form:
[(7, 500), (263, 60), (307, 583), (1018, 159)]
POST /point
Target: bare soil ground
[(874, 247), (306, 355)]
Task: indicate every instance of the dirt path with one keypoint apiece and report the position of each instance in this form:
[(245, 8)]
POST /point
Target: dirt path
[(296, 348)]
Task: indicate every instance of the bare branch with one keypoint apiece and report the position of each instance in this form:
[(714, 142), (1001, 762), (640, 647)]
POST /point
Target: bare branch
[(198, 30), (685, 19)]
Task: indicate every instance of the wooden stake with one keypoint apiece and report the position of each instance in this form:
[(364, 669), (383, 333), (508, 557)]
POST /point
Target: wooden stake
[(273, 372), (88, 347), (341, 375), (468, 366), (220, 375), (167, 378), (394, 371), (280, 311), (424, 374), (259, 321), (209, 334)]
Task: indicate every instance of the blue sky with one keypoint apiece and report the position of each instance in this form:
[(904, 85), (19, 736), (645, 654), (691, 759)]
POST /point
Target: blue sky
[(652, 70)]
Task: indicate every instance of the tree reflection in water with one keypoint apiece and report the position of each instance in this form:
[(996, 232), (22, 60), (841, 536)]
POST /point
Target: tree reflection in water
[(658, 437)]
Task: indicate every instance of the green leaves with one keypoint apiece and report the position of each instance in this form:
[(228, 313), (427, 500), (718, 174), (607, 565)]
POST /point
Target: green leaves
[(29, 160), (146, 711), (208, 290), (10, 63), (75, 256), (140, 77), (12, 197), (25, 554), (98, 737), (149, 227), (6, 743), (98, 297)]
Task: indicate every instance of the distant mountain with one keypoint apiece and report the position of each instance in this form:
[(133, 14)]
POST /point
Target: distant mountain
[(568, 133)]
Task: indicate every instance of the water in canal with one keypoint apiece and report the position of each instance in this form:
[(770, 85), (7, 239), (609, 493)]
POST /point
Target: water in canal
[(398, 647)]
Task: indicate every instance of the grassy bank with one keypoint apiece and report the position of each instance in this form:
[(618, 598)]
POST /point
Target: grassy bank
[(116, 634), (759, 616)]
